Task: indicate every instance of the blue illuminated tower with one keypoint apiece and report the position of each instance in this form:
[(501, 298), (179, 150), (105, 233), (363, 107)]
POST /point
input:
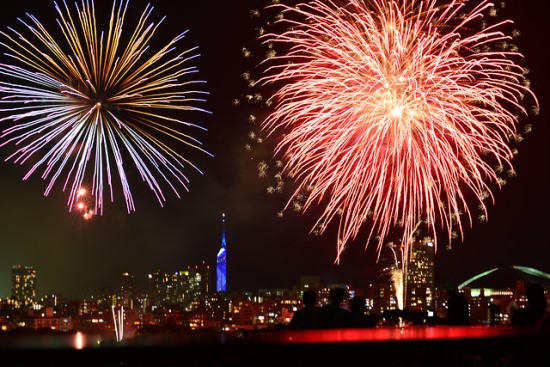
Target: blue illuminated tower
[(221, 263)]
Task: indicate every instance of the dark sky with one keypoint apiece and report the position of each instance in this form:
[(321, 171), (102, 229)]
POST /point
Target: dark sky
[(74, 257)]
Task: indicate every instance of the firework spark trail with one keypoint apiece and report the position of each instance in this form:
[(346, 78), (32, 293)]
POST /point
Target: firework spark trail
[(96, 98), (393, 112)]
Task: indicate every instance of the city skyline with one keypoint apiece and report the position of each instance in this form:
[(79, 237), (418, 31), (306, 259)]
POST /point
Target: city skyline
[(419, 292), (74, 256)]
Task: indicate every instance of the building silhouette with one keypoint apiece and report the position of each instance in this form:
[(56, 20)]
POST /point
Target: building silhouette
[(23, 286), (221, 263)]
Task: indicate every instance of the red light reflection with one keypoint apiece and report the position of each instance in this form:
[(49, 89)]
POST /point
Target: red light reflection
[(78, 340), (392, 334)]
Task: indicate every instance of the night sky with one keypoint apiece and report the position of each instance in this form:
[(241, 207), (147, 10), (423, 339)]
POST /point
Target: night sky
[(75, 257)]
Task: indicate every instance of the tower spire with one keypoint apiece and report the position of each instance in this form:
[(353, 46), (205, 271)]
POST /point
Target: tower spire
[(223, 230), (221, 263)]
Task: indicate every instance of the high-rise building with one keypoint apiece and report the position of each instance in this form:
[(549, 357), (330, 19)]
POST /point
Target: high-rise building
[(23, 285), (198, 287), (186, 288), (126, 296), (167, 288), (221, 263), (419, 285), (381, 297), (106, 298)]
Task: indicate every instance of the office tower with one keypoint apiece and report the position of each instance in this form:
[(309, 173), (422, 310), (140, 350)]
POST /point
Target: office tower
[(126, 297), (187, 288), (23, 285), (167, 289), (221, 263), (420, 277), (220, 309), (198, 284)]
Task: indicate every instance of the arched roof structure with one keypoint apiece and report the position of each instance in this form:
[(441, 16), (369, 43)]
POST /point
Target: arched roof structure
[(528, 272)]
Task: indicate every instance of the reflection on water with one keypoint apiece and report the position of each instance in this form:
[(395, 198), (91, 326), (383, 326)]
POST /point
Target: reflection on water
[(80, 340), (426, 346), (394, 334), (69, 340)]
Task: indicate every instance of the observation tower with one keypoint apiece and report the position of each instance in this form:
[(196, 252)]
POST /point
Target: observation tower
[(221, 263)]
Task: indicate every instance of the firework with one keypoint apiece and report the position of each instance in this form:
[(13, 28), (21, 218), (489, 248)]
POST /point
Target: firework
[(393, 113), (83, 205), (398, 280), (398, 274), (86, 104)]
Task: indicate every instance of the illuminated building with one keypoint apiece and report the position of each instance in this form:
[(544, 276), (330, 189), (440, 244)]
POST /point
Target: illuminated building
[(23, 285), (105, 298), (126, 298), (219, 309), (198, 285), (167, 288), (41, 323), (381, 297), (274, 294), (245, 314), (187, 288), (420, 285), (221, 263)]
